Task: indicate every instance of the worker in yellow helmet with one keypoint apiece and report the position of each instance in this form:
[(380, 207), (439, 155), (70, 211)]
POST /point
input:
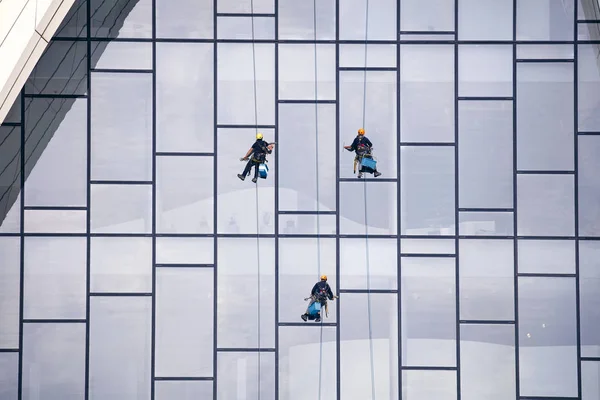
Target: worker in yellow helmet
[(318, 299), (362, 146), (259, 151)]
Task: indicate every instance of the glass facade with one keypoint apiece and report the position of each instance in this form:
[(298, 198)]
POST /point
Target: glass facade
[(134, 264)]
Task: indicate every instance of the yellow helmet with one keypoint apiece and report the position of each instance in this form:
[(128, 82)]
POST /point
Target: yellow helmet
[(361, 131), (259, 136), (323, 277)]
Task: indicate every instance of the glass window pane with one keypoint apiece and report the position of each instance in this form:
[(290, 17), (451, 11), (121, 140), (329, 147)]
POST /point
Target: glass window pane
[(588, 30), (429, 385), (300, 348), (486, 277), (586, 10), (379, 199), (298, 169), (486, 223), (547, 337), (379, 122), (301, 263), (10, 179), (297, 72), (184, 322), (241, 307), (10, 278), (427, 246), (184, 19), (121, 55), (121, 126), (246, 6), (545, 19), (237, 201), (239, 376), (378, 55), (56, 152), (75, 22), (427, 93), (588, 88), (485, 70), (545, 110), (55, 278), (62, 69), (427, 190), (545, 51), (364, 338), (133, 19), (121, 264), (590, 372), (183, 390), (14, 114), (184, 250), (589, 185), (296, 19), (485, 154), (485, 20), (487, 362), (236, 80), (545, 205), (184, 97), (9, 375), (262, 28), (547, 256), (417, 15), (53, 361), (382, 263), (428, 312), (55, 221), (307, 224), (120, 347), (184, 187), (121, 208), (381, 22), (589, 297), (11, 203)]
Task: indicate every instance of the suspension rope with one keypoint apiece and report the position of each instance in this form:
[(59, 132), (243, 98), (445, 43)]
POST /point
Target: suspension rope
[(364, 112), (317, 187), (256, 190)]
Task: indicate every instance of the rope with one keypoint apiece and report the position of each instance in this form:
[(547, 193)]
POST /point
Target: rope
[(366, 221), (256, 189), (317, 192)]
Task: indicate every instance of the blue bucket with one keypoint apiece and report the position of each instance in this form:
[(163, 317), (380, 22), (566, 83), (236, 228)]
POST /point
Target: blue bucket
[(263, 171), (314, 308), (368, 163)]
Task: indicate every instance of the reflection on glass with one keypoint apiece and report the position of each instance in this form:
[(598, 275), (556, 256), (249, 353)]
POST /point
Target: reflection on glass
[(589, 297), (427, 93), (381, 22), (367, 335), (10, 270), (121, 18), (547, 337), (301, 349), (54, 361), (121, 208), (427, 246), (418, 15), (75, 22), (368, 208), (183, 390), (379, 271), (486, 273), (296, 19), (545, 110), (588, 88), (545, 20), (121, 55), (485, 20), (486, 223), (62, 69), (246, 6), (428, 311), (262, 28), (590, 371), (297, 72), (10, 179), (589, 185), (378, 55), (14, 114), (9, 371), (184, 250), (429, 385), (54, 279), (249, 376), (299, 158), (54, 221), (246, 289), (485, 70), (487, 362), (545, 51), (307, 224), (185, 19), (547, 256)]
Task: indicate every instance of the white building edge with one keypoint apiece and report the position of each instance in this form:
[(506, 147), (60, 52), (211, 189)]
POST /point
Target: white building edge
[(26, 27)]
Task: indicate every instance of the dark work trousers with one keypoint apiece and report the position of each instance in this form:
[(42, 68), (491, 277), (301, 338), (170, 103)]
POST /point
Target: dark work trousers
[(249, 166)]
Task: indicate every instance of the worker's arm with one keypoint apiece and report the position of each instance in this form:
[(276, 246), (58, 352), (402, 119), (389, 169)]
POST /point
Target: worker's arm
[(368, 142), (248, 154), (352, 147)]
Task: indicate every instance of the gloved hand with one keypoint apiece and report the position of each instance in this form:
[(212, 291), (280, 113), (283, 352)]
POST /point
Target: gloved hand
[(244, 159)]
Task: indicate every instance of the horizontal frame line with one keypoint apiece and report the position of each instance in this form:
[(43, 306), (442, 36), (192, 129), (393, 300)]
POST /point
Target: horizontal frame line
[(389, 180), (591, 359), (428, 144), (292, 212), (544, 60), (183, 378), (121, 71), (361, 69), (588, 21), (246, 350), (545, 172), (54, 321), (302, 324), (103, 182), (55, 208), (184, 265), (485, 98), (9, 350), (244, 15), (292, 101), (486, 209), (427, 255), (369, 291), (425, 368), (120, 294), (542, 275), (244, 126), (588, 133), (484, 322), (54, 96), (11, 124), (427, 32), (182, 154)]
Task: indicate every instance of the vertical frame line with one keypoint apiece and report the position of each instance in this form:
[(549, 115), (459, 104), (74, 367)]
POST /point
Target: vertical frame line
[(215, 198), (337, 201), (153, 327), (88, 222), (515, 208), (22, 249), (276, 200), (456, 206), (399, 196)]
